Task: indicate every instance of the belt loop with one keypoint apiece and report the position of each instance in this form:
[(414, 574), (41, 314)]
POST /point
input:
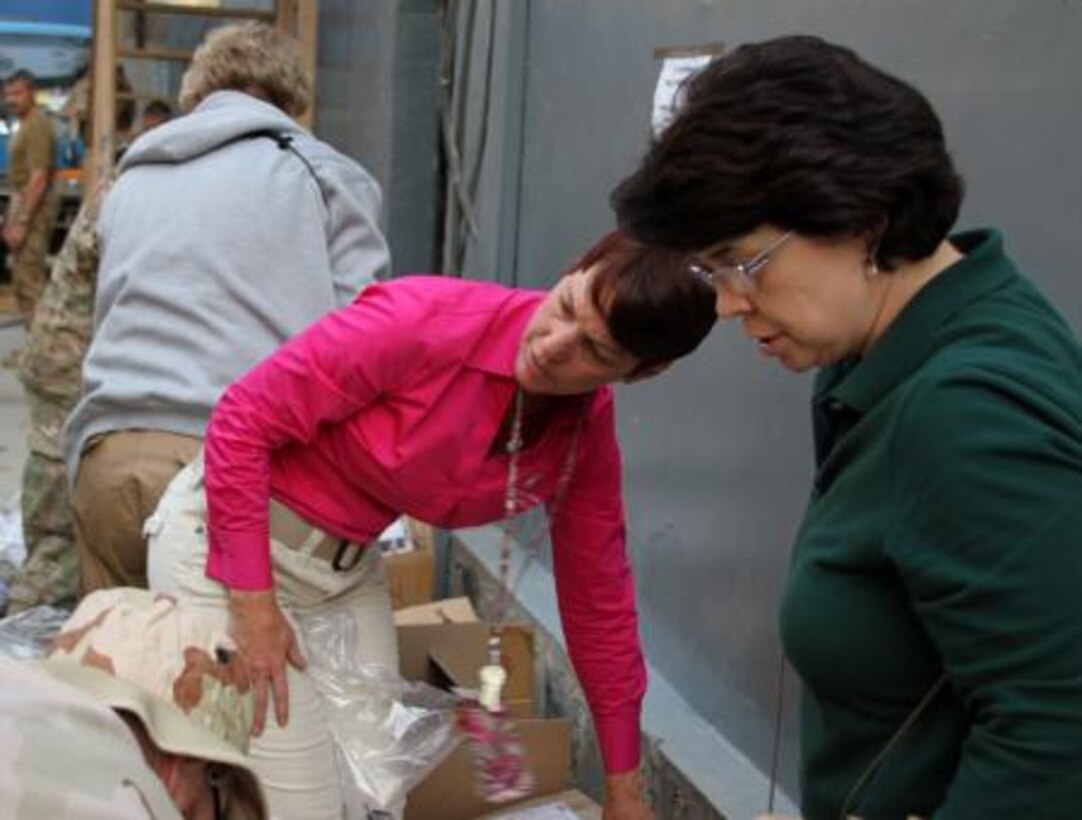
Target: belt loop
[(311, 542), (338, 564)]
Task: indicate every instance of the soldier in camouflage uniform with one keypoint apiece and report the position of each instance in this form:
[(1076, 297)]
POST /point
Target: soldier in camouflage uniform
[(142, 711), (51, 373)]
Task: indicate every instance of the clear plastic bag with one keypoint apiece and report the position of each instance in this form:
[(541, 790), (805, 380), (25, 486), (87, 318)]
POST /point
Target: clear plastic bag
[(12, 547), (389, 732), (29, 634)]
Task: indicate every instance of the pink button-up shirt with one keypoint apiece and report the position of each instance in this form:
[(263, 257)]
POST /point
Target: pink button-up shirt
[(391, 406)]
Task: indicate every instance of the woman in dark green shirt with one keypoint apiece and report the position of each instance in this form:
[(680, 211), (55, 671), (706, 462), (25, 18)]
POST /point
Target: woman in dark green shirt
[(934, 604)]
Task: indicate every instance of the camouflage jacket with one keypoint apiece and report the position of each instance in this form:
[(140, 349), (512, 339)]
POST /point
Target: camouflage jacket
[(64, 756), (52, 361)]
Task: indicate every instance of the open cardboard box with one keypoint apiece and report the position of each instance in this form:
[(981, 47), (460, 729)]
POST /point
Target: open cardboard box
[(443, 643), (448, 792), (447, 611)]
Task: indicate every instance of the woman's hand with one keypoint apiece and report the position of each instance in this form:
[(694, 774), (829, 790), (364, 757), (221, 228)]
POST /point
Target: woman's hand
[(266, 640), (623, 798)]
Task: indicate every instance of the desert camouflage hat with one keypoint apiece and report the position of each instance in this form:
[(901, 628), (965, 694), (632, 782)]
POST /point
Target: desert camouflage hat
[(175, 670)]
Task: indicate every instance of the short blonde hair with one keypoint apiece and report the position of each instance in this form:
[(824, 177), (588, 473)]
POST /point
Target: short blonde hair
[(250, 57)]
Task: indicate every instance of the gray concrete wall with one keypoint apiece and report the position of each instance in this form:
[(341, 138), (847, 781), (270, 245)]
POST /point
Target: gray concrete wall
[(376, 100), (718, 453)]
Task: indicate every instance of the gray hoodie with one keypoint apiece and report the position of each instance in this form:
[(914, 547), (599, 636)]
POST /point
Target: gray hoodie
[(215, 248)]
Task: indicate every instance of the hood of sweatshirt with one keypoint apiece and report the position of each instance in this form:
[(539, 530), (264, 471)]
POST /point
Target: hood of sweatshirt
[(221, 118)]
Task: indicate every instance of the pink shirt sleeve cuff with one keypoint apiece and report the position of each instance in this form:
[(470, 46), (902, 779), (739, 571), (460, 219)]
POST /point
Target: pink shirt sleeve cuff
[(620, 740), (241, 561)]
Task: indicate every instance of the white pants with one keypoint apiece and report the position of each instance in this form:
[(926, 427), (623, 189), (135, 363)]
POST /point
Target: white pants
[(296, 763)]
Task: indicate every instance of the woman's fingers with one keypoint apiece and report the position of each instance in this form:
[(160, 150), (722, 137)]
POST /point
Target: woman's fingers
[(270, 680), (259, 716), (295, 657), (281, 695), (267, 640)]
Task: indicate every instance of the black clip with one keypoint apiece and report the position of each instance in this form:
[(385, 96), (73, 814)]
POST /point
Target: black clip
[(338, 564)]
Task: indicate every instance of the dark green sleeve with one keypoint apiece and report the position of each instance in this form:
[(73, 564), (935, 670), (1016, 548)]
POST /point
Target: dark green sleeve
[(987, 538)]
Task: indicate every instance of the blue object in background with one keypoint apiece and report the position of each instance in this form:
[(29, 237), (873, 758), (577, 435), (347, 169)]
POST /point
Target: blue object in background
[(50, 38), (69, 150), (66, 13)]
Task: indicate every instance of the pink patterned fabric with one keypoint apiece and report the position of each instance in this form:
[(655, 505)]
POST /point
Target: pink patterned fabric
[(390, 406), (501, 770)]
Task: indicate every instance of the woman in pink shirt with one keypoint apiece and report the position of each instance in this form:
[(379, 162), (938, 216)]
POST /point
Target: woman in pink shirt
[(404, 402)]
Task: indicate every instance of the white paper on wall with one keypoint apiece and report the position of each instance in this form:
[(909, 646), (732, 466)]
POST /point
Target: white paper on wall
[(667, 94)]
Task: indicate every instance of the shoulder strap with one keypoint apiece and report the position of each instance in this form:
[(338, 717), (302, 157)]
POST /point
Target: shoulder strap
[(284, 141)]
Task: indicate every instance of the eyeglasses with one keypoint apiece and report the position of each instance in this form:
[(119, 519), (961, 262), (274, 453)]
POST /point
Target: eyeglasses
[(739, 278)]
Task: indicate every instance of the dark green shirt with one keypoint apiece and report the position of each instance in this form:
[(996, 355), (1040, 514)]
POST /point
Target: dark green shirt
[(944, 535)]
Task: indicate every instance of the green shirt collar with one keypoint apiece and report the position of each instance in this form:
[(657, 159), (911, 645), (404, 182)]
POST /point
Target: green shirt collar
[(910, 339)]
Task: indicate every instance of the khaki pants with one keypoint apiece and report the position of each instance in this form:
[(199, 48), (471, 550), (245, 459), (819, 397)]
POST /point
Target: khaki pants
[(121, 478), (30, 273), (296, 764)]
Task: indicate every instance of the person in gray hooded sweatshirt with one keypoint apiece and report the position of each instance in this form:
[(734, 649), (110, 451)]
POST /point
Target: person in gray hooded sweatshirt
[(227, 231)]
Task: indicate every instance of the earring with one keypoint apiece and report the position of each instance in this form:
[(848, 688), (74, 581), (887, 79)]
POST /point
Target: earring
[(871, 269)]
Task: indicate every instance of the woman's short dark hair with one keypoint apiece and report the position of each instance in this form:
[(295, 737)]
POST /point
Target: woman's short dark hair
[(803, 135), (657, 309)]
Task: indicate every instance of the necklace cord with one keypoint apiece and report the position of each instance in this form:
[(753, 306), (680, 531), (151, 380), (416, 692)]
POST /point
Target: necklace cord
[(893, 741), (509, 528)]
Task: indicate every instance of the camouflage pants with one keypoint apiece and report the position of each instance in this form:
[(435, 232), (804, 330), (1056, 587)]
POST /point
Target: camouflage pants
[(29, 273), (51, 570)]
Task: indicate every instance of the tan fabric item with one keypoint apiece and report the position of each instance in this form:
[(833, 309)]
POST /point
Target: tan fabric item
[(121, 477), (172, 667), (65, 755)]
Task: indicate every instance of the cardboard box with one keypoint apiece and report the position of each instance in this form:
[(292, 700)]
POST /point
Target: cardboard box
[(417, 641), (422, 535), (447, 611), (569, 805), (411, 576), (452, 654), (461, 663), (443, 643), (517, 656), (448, 792)]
